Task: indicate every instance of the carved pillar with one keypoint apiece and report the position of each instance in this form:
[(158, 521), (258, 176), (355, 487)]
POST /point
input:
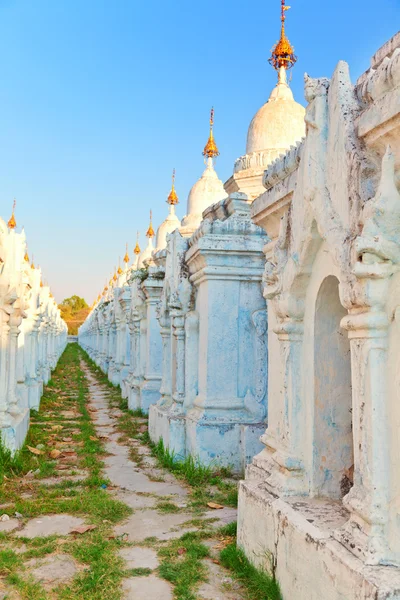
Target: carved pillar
[(178, 329), (5, 419), (15, 322), (165, 388)]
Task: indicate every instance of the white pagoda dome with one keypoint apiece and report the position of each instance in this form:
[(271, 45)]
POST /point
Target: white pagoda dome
[(278, 125), (208, 190), (171, 222)]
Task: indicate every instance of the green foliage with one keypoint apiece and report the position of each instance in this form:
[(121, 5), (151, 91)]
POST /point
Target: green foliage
[(74, 311), (182, 565), (74, 304), (260, 585)]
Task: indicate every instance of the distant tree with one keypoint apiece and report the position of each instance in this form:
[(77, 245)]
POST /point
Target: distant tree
[(75, 304), (74, 311)]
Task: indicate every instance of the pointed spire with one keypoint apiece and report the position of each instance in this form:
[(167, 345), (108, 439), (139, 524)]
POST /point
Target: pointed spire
[(137, 247), (32, 263), (114, 277), (283, 52), (173, 196), (26, 256), (119, 270), (126, 257), (211, 149), (150, 232), (12, 223)]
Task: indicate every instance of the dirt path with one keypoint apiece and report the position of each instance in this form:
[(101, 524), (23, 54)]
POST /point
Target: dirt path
[(88, 512)]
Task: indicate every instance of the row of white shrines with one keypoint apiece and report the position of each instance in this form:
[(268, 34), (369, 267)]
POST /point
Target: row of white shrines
[(32, 335), (264, 330)]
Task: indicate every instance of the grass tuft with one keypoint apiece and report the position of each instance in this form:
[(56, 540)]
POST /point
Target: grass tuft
[(259, 584)]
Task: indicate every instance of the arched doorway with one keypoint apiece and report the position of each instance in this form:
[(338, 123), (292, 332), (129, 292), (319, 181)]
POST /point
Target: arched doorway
[(333, 437)]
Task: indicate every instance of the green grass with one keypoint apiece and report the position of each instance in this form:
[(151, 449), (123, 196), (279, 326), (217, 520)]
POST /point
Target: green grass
[(259, 584), (98, 550), (182, 565)]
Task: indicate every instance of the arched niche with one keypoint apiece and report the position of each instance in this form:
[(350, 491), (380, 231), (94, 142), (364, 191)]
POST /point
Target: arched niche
[(332, 451)]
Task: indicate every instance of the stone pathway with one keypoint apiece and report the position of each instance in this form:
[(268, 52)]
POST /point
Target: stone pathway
[(159, 509), (142, 488)]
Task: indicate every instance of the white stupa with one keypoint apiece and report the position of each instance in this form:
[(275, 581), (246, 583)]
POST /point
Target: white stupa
[(171, 222), (277, 125), (208, 190)]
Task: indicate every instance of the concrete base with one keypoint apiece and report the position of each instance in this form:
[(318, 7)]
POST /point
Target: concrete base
[(149, 393), (14, 436), (123, 376), (133, 389), (168, 427), (35, 390), (292, 539), (222, 441)]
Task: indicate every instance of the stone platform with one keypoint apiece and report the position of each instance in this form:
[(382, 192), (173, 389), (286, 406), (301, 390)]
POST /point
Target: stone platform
[(293, 538)]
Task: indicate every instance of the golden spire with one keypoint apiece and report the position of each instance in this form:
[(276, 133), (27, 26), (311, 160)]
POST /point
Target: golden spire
[(114, 277), (26, 256), (126, 257), (12, 223), (137, 247), (283, 52), (119, 270), (150, 232), (211, 149), (173, 196), (32, 263)]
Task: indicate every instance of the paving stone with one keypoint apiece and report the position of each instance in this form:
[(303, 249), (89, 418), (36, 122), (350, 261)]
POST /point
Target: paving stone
[(136, 501), (139, 558), (50, 525), (121, 472), (8, 594), (146, 588), (220, 586), (52, 570), (9, 525), (224, 516), (150, 523)]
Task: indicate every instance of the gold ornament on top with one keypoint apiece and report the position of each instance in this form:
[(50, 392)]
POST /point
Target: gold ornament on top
[(137, 247), (283, 52), (119, 270), (126, 257), (173, 196), (150, 232), (32, 263), (12, 223), (211, 149), (26, 256)]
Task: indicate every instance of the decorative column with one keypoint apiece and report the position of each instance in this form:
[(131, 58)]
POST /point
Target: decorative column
[(150, 388)]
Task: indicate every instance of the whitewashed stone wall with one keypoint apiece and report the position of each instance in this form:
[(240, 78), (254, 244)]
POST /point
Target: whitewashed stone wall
[(320, 504), (32, 337)]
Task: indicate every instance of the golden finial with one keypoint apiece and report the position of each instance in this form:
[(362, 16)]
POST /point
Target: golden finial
[(126, 257), (51, 295), (26, 256), (119, 270), (12, 223), (283, 52), (150, 232), (173, 196), (32, 263), (41, 283), (137, 247), (114, 277), (211, 149)]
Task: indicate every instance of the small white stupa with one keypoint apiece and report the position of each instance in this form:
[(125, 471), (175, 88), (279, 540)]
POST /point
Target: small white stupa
[(208, 190), (148, 251), (171, 222)]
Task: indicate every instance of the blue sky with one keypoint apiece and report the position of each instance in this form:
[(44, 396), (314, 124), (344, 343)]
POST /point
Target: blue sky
[(100, 99)]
